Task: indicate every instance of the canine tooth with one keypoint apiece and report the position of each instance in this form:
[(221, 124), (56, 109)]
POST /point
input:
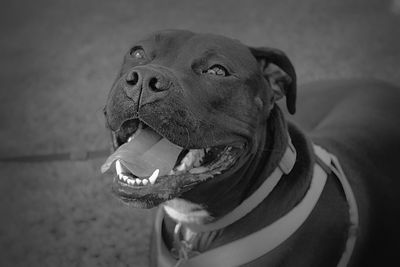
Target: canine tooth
[(154, 176), (145, 181), (138, 181), (118, 167)]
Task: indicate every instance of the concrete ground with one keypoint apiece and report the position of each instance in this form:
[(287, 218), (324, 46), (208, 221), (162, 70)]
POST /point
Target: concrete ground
[(58, 61)]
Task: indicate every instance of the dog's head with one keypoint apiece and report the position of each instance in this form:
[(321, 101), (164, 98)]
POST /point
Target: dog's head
[(208, 95)]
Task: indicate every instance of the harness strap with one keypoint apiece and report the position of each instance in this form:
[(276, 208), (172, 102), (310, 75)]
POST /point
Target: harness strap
[(259, 243), (334, 166)]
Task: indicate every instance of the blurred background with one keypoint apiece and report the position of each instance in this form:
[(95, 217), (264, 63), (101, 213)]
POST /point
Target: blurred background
[(58, 60)]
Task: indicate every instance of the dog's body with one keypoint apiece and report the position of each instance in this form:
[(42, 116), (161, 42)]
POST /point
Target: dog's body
[(359, 122), (355, 120)]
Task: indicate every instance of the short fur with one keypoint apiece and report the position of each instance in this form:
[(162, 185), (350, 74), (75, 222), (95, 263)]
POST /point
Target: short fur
[(356, 120)]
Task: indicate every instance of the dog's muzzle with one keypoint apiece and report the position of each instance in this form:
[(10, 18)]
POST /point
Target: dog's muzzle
[(148, 165)]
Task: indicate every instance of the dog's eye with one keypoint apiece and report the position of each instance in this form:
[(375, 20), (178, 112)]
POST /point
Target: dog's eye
[(217, 70), (138, 53)]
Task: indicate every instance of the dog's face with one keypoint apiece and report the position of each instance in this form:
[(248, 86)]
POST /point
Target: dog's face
[(206, 94)]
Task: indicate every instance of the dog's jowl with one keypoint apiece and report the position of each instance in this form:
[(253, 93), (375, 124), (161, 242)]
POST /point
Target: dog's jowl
[(246, 168)]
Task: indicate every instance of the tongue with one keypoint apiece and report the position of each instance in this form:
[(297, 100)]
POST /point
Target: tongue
[(144, 154)]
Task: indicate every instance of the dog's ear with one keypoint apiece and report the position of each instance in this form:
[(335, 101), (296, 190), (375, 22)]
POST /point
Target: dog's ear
[(279, 72)]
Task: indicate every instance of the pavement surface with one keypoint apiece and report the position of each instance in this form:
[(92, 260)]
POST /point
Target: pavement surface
[(58, 60)]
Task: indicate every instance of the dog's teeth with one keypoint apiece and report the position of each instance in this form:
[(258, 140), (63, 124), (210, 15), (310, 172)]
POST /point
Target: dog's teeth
[(193, 158), (138, 181), (118, 167), (145, 181), (154, 176), (199, 157), (139, 129), (181, 167), (122, 177)]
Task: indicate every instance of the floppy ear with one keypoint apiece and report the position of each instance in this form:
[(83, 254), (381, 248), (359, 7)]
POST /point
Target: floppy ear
[(280, 73)]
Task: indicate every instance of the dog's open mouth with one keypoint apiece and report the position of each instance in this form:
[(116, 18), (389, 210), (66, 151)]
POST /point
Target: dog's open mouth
[(151, 168)]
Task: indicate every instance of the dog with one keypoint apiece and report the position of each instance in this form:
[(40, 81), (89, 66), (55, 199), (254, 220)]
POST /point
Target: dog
[(210, 133)]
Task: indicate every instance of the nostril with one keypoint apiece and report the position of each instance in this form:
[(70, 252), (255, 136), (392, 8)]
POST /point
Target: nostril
[(132, 78), (155, 84)]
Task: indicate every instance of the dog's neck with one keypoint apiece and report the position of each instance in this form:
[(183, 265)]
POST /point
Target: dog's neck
[(212, 202)]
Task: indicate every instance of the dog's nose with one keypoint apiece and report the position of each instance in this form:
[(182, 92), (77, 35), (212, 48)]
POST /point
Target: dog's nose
[(147, 79)]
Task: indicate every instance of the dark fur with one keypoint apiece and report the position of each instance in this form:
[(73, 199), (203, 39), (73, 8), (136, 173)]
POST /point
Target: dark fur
[(358, 121)]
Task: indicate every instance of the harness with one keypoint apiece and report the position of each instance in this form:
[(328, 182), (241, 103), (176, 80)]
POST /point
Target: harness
[(259, 243)]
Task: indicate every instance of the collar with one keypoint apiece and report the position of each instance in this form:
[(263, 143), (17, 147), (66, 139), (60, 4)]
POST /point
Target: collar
[(330, 163), (261, 242), (284, 167)]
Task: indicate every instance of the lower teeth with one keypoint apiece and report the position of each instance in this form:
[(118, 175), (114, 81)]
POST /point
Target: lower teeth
[(152, 179)]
